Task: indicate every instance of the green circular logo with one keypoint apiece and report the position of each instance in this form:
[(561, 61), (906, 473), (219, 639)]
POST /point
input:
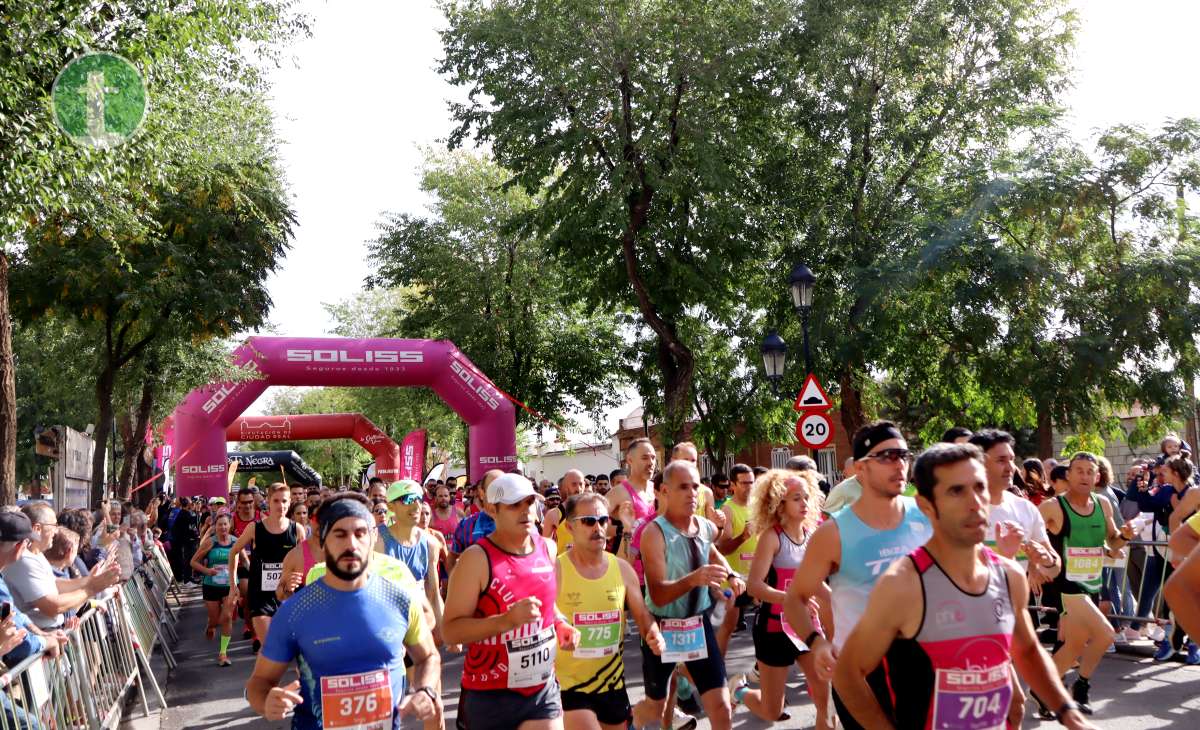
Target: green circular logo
[(99, 100)]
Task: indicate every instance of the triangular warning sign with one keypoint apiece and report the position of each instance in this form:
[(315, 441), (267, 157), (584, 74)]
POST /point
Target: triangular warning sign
[(812, 396)]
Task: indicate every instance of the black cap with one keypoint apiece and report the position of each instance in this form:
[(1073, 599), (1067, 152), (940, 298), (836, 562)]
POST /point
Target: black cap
[(14, 527)]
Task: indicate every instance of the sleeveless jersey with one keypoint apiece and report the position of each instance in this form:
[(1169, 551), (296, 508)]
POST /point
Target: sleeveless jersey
[(416, 557), (239, 526), (1080, 545), (684, 554), (266, 558), (596, 608), (309, 559), (779, 576), (642, 511), (954, 673), (521, 660), (866, 554), (562, 533), (446, 526), (741, 558), (218, 557)]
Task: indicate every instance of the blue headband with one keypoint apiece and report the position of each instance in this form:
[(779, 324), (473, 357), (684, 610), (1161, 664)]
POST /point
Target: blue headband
[(340, 509)]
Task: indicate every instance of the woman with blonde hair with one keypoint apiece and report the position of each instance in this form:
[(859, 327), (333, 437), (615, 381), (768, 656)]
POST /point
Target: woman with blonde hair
[(785, 507)]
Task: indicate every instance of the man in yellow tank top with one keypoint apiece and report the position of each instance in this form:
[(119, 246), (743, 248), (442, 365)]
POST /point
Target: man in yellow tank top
[(593, 587), (737, 544), (554, 526)]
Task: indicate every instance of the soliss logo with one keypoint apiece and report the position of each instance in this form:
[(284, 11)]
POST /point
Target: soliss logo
[(497, 460), (388, 356), (408, 456), (225, 390), (481, 389), (209, 469)]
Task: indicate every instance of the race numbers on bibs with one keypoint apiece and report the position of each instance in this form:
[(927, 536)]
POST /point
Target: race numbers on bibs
[(271, 573), (599, 634), (684, 638), (222, 576), (1084, 564), (972, 699), (360, 701), (531, 659)]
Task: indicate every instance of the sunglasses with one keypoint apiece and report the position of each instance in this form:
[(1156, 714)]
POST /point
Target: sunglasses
[(380, 511), (592, 521), (891, 456), (408, 499)]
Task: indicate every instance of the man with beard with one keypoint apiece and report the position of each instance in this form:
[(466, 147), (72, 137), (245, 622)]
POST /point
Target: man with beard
[(445, 515), (352, 668)]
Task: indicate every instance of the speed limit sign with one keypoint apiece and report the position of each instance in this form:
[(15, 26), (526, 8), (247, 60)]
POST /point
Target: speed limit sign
[(814, 430)]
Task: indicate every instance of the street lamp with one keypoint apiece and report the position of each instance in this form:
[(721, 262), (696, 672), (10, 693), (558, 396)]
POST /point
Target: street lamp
[(774, 355), (801, 285)]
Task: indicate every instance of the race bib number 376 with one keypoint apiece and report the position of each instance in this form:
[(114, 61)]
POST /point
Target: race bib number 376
[(360, 701)]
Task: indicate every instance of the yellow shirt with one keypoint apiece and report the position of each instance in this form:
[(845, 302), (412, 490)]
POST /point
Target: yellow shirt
[(391, 568), (596, 608), (1194, 522), (562, 534), (741, 558)]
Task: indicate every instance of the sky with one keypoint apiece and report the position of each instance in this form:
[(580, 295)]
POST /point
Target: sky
[(363, 97)]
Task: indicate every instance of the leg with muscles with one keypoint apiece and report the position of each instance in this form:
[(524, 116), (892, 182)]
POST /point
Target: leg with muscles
[(581, 720), (818, 689), (1074, 636), (226, 620), (214, 615), (1100, 635), (767, 701)]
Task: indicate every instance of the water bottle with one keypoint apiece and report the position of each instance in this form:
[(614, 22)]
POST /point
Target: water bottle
[(718, 614)]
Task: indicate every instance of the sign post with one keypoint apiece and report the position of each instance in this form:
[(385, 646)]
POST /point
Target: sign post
[(814, 428)]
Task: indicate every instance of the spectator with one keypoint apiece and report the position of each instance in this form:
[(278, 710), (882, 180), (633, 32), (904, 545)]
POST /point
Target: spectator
[(34, 586), (185, 537), (1175, 475)]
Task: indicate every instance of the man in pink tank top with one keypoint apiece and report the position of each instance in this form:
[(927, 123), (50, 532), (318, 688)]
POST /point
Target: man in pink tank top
[(501, 605), (445, 515), (948, 657)]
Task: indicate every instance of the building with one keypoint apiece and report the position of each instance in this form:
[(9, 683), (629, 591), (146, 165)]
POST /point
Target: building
[(553, 460)]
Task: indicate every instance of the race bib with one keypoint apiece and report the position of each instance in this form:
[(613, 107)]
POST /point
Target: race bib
[(1021, 557), (531, 659), (747, 558), (271, 573), (599, 634), (972, 699), (222, 576), (361, 701), (1084, 564), (791, 634), (684, 638)]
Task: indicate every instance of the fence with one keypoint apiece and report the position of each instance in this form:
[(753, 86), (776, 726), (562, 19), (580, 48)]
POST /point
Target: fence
[(86, 684)]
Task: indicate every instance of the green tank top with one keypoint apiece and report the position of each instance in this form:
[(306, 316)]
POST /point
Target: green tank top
[(1083, 545), (218, 557), (684, 554)]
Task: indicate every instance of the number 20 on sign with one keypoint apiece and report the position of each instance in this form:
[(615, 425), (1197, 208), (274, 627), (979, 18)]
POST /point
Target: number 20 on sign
[(814, 430)]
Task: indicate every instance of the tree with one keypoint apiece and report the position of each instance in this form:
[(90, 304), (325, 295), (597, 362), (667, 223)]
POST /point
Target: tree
[(471, 274), (642, 128)]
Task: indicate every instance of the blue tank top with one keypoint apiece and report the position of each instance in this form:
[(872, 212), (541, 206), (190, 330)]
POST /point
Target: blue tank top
[(684, 554), (866, 554), (415, 557)]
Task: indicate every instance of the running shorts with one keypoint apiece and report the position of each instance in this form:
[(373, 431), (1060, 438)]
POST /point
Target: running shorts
[(213, 593), (610, 708), (502, 709), (707, 673), (773, 648)]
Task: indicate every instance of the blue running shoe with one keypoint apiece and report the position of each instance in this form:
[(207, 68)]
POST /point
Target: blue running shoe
[(1193, 655), (1165, 651)]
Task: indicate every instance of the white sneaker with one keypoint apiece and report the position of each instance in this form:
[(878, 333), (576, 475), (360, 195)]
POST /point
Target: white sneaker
[(682, 721), (1112, 649), (1156, 633), (1131, 634), (736, 682), (1119, 638)]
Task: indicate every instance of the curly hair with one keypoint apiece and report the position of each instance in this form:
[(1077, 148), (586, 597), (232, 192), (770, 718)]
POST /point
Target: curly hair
[(766, 499)]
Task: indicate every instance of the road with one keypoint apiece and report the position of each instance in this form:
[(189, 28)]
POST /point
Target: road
[(1129, 692)]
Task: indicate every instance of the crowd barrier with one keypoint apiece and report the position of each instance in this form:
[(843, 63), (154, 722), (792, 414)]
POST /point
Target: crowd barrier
[(85, 687)]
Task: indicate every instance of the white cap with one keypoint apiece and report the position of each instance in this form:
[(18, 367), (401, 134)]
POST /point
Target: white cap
[(510, 489)]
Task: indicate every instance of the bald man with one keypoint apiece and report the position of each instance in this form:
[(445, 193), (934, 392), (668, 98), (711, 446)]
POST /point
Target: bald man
[(553, 525), (706, 506)]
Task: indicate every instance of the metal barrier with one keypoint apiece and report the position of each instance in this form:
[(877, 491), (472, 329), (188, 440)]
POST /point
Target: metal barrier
[(86, 684), (1152, 569)]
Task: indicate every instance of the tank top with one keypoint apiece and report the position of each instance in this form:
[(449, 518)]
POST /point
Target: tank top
[(866, 554), (562, 534), (954, 673), (741, 558), (596, 608), (779, 576), (239, 526), (266, 557), (1080, 545), (642, 512), (522, 659), (218, 557), (416, 557), (309, 559), (684, 554), (446, 526)]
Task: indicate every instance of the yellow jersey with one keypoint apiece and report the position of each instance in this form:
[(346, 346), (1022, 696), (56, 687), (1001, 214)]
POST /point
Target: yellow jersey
[(597, 609)]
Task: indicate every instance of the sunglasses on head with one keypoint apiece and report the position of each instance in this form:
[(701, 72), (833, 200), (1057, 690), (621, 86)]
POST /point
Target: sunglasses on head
[(592, 521), (889, 456), (408, 499)]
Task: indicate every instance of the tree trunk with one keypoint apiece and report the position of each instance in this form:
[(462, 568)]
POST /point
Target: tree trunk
[(8, 395), (1045, 433), (133, 438), (104, 390), (853, 416)]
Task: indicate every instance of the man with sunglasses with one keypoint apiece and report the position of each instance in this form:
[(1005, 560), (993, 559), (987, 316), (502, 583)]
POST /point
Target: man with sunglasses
[(593, 587), (245, 514), (416, 548), (853, 549)]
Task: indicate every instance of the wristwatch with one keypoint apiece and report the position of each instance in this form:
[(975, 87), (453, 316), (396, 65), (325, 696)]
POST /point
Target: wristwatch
[(428, 691), (1066, 707)]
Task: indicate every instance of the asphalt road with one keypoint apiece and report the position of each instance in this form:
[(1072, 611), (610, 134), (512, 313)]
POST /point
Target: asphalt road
[(1129, 692)]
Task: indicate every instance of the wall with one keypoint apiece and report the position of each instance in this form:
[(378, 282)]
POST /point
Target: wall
[(601, 458)]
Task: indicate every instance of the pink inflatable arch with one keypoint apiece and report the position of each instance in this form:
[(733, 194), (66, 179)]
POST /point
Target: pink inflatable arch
[(309, 427), (201, 420)]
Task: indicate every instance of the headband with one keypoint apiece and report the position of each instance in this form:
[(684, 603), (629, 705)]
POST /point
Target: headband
[(872, 436), (342, 508)]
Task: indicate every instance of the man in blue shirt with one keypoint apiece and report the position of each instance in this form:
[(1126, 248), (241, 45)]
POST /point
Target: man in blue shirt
[(349, 632)]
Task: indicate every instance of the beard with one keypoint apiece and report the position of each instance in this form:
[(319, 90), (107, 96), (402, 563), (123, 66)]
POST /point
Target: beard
[(331, 565)]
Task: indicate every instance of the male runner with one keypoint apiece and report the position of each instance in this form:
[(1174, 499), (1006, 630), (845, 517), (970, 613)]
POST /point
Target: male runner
[(351, 668), (269, 541), (245, 514), (376, 489), (446, 515), (636, 490), (553, 525), (299, 493), (706, 504), (478, 524), (681, 564), (947, 621), (602, 484), (501, 603), (737, 544), (593, 587), (857, 545), (416, 548), (1081, 526)]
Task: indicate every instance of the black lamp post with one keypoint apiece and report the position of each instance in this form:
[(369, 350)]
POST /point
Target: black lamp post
[(774, 355), (801, 285)]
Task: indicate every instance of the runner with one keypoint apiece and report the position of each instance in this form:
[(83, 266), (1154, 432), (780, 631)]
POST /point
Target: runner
[(706, 502), (681, 563), (856, 546), (245, 514), (1081, 526), (299, 493), (351, 669), (501, 603), (445, 515), (417, 549), (269, 541), (1182, 590), (636, 490), (301, 559), (477, 525), (737, 544), (593, 587), (376, 489), (212, 561), (554, 525), (784, 509), (947, 653)]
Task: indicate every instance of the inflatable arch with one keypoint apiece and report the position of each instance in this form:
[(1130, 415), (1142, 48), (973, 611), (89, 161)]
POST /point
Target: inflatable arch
[(311, 427), (273, 461), (201, 420)]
